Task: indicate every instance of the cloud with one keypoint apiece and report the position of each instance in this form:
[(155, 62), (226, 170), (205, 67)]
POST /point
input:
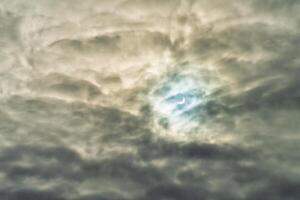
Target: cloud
[(77, 120)]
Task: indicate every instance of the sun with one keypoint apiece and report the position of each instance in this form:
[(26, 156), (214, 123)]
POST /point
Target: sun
[(175, 102)]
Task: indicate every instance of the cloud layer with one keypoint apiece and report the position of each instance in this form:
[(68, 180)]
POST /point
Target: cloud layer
[(77, 117)]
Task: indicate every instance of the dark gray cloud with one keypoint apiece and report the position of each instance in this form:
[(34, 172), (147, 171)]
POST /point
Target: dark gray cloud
[(78, 119)]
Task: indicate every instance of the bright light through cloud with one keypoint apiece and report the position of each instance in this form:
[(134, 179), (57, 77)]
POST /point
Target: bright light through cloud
[(174, 99)]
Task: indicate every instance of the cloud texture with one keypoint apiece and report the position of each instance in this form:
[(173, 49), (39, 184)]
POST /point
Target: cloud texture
[(77, 110)]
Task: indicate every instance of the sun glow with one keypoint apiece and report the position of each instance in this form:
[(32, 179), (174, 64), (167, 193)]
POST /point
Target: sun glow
[(175, 101)]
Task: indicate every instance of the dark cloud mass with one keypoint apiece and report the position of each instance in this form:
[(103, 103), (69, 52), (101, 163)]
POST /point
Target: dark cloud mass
[(149, 100)]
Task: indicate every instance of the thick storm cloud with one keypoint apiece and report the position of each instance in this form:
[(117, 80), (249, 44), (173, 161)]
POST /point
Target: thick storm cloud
[(149, 100)]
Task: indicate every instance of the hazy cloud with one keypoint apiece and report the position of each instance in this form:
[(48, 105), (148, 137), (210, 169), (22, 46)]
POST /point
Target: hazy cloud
[(78, 119)]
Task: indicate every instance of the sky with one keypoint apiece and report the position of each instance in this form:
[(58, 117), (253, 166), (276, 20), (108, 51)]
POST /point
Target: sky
[(149, 100)]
